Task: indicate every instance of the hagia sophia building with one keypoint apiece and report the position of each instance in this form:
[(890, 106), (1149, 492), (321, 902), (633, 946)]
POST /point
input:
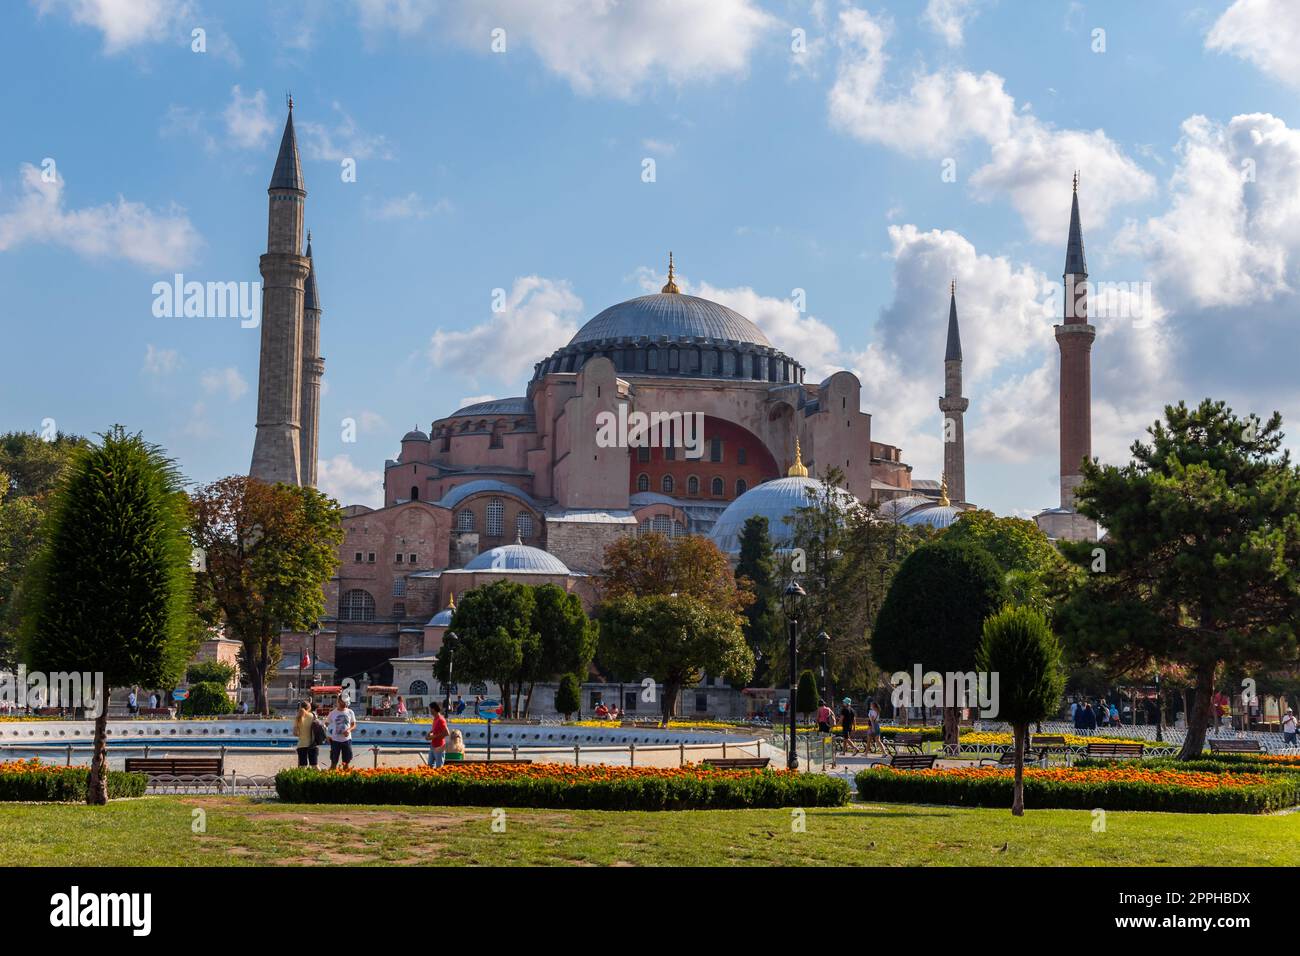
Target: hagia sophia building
[(531, 489)]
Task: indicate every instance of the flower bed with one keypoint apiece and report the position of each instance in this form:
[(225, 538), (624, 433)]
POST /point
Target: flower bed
[(564, 786), (992, 738), (1130, 786), (35, 781)]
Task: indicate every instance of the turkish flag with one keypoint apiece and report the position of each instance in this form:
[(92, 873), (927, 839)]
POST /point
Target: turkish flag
[(305, 662)]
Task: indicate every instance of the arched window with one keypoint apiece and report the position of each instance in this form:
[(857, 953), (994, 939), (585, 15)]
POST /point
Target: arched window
[(741, 487), (356, 605), (679, 529), (415, 493), (662, 524), (496, 517), (667, 484), (465, 521), (524, 524), (692, 486), (717, 487), (643, 482), (645, 527), (418, 688)]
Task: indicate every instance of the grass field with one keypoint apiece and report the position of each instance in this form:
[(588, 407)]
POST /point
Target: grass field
[(240, 831)]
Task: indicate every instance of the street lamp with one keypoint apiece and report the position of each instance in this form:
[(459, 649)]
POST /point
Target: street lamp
[(315, 633), (791, 601), (824, 642), (450, 655)]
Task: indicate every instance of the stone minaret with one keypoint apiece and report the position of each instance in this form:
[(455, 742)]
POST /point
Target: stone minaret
[(313, 367), (1074, 337), (277, 451), (953, 406)]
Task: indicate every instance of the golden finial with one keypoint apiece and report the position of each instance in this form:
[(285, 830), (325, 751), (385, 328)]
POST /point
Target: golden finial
[(943, 490), (451, 601), (797, 470), (671, 286)]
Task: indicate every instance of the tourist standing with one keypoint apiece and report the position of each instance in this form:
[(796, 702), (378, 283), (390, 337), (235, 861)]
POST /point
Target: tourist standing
[(303, 726), (401, 707), (341, 724), (873, 726), (824, 717), (848, 718), (132, 703), (437, 736), (1289, 728)]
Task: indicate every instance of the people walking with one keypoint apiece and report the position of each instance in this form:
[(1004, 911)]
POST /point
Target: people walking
[(304, 729), (341, 724), (824, 717), (438, 734)]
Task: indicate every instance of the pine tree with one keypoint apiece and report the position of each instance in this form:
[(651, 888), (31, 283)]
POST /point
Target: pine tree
[(756, 571)]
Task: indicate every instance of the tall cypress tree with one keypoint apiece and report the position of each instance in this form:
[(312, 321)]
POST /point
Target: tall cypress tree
[(111, 588), (756, 570)]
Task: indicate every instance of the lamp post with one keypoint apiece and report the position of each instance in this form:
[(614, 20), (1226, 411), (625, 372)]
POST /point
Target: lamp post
[(824, 642), (450, 661), (315, 633), (793, 598), (1160, 712)]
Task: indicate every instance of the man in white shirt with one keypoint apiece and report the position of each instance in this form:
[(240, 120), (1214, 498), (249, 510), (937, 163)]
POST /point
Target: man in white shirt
[(341, 724), (1289, 728)]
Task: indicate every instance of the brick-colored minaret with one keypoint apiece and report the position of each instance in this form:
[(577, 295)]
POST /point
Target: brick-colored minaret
[(953, 406), (1074, 336), (277, 454), (313, 368)]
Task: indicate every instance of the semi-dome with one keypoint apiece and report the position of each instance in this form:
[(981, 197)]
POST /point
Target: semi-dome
[(674, 315), (442, 618), (774, 500), (518, 557), (938, 516), (895, 508)]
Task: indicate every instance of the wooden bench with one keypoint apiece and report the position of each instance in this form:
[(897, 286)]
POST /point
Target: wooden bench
[(912, 761), (1047, 742), (1249, 746), (177, 766), (1116, 749), (155, 712), (1008, 758), (737, 763), (909, 742)]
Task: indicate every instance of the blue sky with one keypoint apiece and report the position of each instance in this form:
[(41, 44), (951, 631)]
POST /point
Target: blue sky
[(783, 160)]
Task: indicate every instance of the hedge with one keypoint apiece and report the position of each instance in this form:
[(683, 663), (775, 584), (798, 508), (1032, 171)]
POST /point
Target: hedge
[(559, 787), (1110, 789), (32, 781)]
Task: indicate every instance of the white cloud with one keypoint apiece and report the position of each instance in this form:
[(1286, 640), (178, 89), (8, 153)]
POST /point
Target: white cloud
[(124, 230), (343, 480), (159, 362), (538, 316), (1231, 234), (131, 23), (1263, 32), (474, 400), (948, 19), (410, 206), (343, 139), (247, 121), (596, 46), (227, 380), (1030, 161)]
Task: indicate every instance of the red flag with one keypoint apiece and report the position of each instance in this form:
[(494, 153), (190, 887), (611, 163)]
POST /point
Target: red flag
[(305, 662)]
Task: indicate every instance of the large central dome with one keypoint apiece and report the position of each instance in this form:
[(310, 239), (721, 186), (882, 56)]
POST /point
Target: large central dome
[(674, 315)]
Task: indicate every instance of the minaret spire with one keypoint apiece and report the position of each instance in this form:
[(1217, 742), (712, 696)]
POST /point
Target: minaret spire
[(313, 370), (671, 286), (953, 405), (798, 469)]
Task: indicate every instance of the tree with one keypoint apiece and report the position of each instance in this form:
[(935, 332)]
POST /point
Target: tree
[(30, 468), (659, 564), (492, 634), (110, 589), (756, 572), (567, 638), (934, 613), (675, 639), (207, 699), (210, 672), (807, 695), (1200, 563), (568, 696), (268, 551), (1019, 647), (1020, 548)]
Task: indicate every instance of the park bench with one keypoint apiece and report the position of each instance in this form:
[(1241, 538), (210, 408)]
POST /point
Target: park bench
[(177, 766), (1116, 749), (912, 761), (737, 763), (155, 712), (909, 742), (1248, 746), (1008, 758)]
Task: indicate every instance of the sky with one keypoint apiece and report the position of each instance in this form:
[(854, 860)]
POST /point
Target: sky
[(483, 177)]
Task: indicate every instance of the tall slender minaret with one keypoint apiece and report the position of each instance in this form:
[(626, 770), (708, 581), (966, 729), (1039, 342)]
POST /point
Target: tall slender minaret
[(313, 367), (953, 406), (277, 453), (1074, 336)]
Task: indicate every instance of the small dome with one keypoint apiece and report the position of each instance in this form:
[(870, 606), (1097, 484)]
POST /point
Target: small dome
[(442, 618), (775, 500), (415, 435), (895, 508), (518, 557), (938, 516)]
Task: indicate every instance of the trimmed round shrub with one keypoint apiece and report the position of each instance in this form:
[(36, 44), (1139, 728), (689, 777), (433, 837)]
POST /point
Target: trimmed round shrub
[(207, 699)]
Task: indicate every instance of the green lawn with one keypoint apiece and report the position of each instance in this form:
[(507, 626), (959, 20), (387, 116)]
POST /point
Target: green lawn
[(158, 830)]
